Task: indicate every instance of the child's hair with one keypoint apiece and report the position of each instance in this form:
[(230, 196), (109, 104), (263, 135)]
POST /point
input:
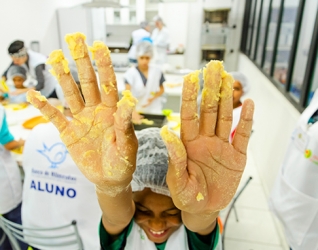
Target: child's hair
[(16, 70), (240, 77), (152, 162)]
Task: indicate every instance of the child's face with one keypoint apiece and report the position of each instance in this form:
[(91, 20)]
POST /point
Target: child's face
[(19, 60), (156, 215), (18, 82), (143, 61), (237, 94)]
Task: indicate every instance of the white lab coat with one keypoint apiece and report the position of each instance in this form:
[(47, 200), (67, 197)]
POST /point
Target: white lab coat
[(36, 59), (161, 40), (55, 192), (10, 178), (143, 93), (137, 36), (294, 198)]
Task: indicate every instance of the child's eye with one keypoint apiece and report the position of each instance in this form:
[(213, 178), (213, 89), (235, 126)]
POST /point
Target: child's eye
[(173, 214), (146, 212)]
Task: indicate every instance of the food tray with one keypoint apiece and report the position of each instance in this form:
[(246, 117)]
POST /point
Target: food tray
[(31, 123), (158, 121)]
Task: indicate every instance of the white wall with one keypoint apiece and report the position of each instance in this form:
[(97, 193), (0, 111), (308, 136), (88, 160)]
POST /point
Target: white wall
[(31, 20), (274, 121)]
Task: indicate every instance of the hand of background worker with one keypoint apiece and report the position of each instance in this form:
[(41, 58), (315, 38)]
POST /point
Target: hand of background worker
[(204, 168), (100, 138)]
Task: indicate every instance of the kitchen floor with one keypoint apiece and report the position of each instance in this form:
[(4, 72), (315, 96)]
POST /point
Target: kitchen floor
[(256, 228)]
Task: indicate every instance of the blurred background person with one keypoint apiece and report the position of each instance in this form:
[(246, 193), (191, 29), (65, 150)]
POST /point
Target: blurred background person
[(55, 191), (161, 39), (145, 81), (240, 88), (10, 179), (294, 197), (34, 63), (136, 37)]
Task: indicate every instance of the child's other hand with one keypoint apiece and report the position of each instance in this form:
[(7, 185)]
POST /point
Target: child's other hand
[(204, 168), (100, 137)]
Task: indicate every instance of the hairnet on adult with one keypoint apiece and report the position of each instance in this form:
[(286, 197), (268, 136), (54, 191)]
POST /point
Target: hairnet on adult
[(152, 162), (157, 19), (240, 77), (15, 70), (144, 48), (144, 24)]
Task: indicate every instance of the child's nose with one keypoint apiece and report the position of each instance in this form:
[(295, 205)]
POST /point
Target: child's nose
[(157, 224)]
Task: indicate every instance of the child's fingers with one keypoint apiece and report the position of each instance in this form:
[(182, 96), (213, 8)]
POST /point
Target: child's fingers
[(177, 176), (86, 73), (124, 129), (62, 73), (225, 110), (210, 97), (244, 127), (106, 74), (189, 115), (49, 112)]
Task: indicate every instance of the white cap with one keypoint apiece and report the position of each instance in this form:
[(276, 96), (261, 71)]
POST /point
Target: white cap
[(240, 77)]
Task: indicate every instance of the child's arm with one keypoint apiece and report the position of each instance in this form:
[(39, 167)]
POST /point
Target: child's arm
[(100, 138), (204, 168), (14, 144)]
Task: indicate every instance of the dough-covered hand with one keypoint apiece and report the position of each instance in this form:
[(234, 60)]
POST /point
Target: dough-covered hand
[(100, 137), (204, 168)]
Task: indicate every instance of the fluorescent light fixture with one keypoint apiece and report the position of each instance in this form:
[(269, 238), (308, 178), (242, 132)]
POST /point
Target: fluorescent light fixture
[(102, 4)]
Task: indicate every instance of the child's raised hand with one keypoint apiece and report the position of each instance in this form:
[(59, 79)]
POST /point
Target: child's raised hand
[(204, 168), (100, 138)]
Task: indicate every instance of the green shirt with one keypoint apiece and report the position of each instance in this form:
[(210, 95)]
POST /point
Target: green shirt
[(195, 243)]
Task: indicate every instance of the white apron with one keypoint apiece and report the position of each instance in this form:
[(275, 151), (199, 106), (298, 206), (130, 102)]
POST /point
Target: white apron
[(55, 192), (161, 42), (294, 198), (143, 93), (10, 178), (138, 240)]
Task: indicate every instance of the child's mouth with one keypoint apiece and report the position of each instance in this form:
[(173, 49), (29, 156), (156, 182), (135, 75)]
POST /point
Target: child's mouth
[(158, 234)]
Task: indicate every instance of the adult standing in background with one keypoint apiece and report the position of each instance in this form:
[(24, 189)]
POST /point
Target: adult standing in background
[(34, 63), (161, 39), (136, 37), (294, 197)]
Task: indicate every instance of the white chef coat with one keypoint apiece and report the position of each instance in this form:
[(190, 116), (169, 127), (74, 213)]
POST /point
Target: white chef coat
[(35, 59), (142, 92), (137, 36), (161, 40), (294, 198), (10, 178), (55, 192)]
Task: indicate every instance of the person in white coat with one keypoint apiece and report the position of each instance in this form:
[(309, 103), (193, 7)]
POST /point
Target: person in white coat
[(10, 179), (145, 81), (34, 63), (136, 37), (294, 197), (55, 192), (161, 39), (241, 87)]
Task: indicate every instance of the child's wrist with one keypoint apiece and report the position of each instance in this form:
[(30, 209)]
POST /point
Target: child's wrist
[(111, 190)]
